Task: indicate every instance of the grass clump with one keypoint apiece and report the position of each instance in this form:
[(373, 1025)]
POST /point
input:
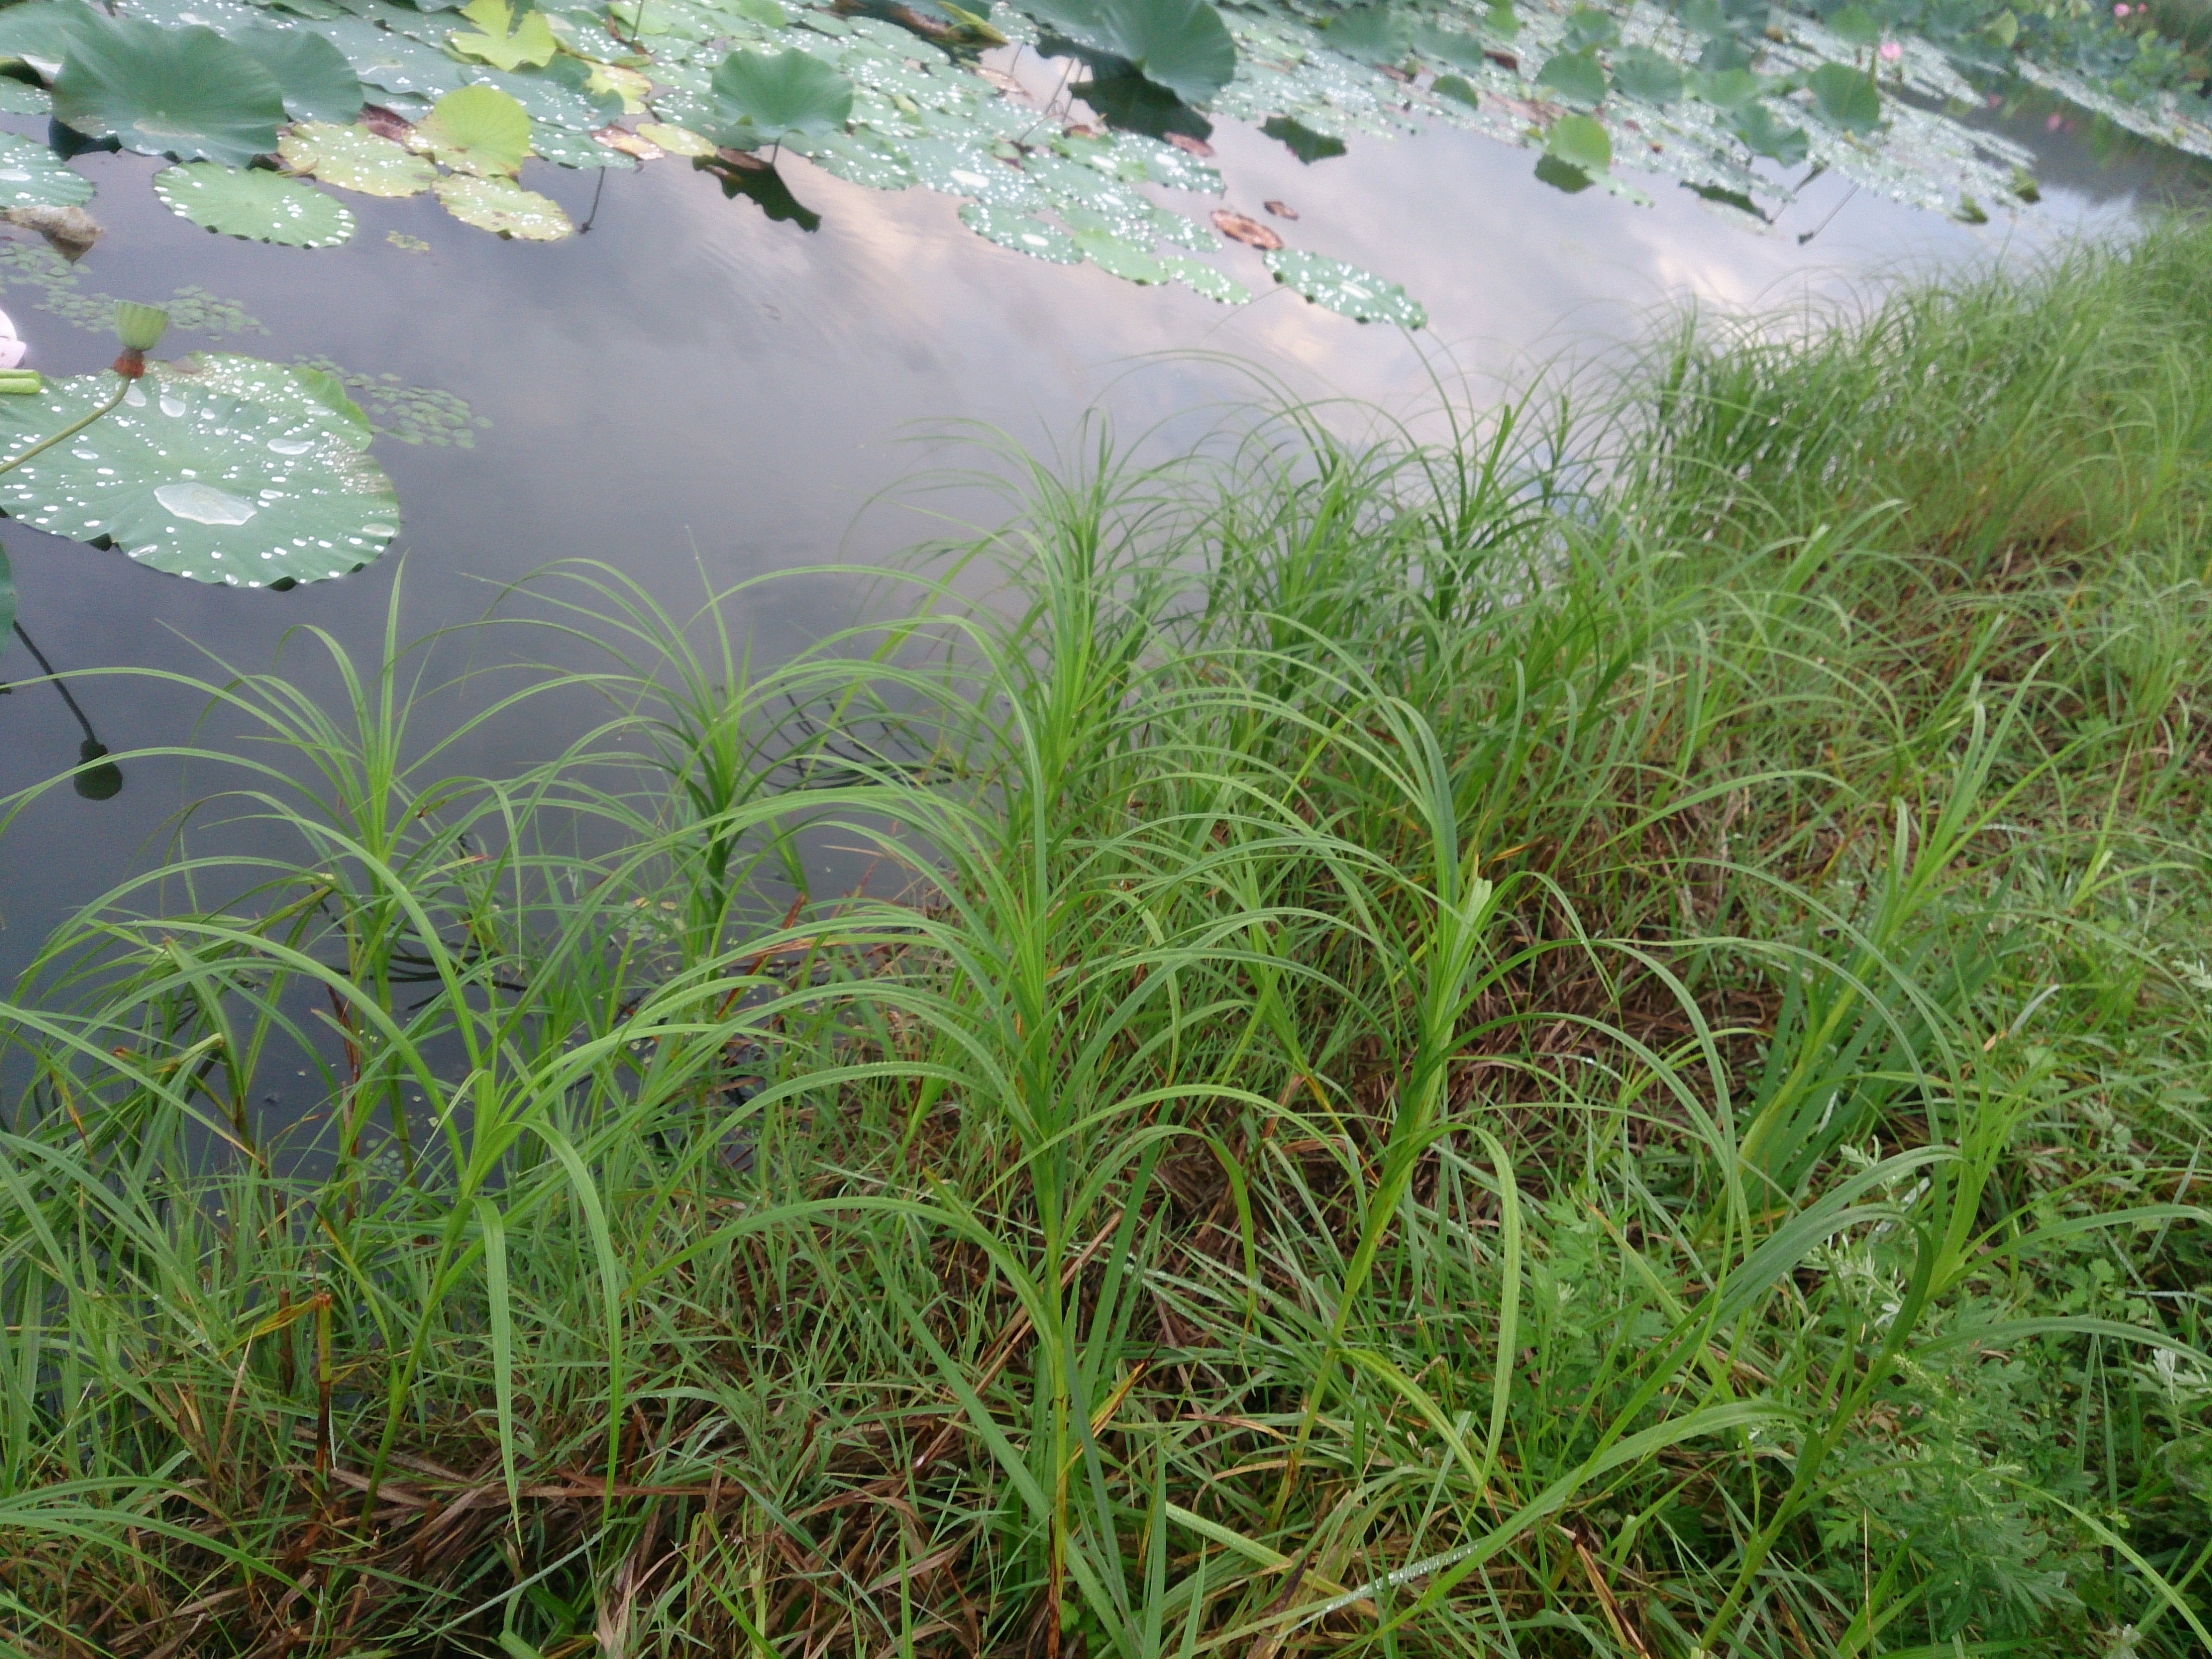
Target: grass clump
[(1430, 1062)]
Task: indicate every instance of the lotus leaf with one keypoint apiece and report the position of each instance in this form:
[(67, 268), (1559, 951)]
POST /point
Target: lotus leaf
[(1580, 141), (558, 95), (1640, 72), (1729, 89), (1575, 76), (528, 43), (356, 159), (31, 175), (1202, 278), (1459, 87), (1562, 176), (765, 96), (1018, 231), (220, 468), (964, 170), (1848, 97), (1346, 290), (676, 141), (1182, 44), (1444, 46), (393, 62), (42, 33), (24, 98), (263, 207), (476, 129), (1373, 34), (1766, 134), (1119, 259), (1587, 27), (318, 83), (1855, 26), (1301, 140), (185, 92), (504, 207), (578, 149)]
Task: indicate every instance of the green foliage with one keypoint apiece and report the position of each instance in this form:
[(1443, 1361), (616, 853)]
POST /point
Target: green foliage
[(317, 82), (265, 207), (504, 42), (32, 175), (353, 158), (1581, 141), (764, 98), (222, 468), (1575, 76), (503, 207), (185, 92), (478, 130), (1182, 44), (1847, 97)]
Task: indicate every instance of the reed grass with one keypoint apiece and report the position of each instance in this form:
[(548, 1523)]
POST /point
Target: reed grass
[(1434, 1057)]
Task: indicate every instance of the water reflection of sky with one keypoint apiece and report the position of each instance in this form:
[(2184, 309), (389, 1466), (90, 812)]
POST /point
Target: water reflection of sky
[(693, 389)]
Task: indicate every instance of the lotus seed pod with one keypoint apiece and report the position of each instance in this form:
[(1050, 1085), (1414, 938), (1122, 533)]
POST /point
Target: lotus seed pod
[(140, 327)]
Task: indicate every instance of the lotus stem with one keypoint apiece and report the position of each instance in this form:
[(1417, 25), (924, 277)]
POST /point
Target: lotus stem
[(44, 444)]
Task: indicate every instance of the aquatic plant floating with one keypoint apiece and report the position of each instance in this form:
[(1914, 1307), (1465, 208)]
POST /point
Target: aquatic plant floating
[(33, 176), (477, 129), (353, 158), (768, 97), (504, 208), (185, 91), (317, 82), (1181, 44), (258, 205), (503, 40), (222, 468)]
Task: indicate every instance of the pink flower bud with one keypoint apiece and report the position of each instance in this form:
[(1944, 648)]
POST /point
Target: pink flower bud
[(1891, 51)]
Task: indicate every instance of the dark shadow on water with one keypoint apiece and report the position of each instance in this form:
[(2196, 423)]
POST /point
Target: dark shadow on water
[(101, 781)]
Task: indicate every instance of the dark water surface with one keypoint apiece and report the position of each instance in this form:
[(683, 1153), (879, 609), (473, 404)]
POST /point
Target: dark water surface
[(692, 387)]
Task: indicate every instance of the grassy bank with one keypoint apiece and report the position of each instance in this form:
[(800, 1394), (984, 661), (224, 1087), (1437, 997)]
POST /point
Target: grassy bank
[(1430, 1062)]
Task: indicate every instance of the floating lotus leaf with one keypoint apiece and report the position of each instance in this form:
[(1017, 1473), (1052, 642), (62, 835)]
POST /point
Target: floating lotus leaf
[(558, 95), (1459, 87), (1202, 278), (676, 141), (579, 149), (318, 83), (966, 170), (23, 98), (1642, 73), (1848, 97), (356, 159), (1765, 134), (1346, 290), (31, 175), (1018, 231), (504, 207), (1182, 44), (860, 158), (1371, 33), (1124, 260), (476, 129), (220, 15), (223, 469), (503, 40), (393, 62), (1575, 76), (1581, 141), (261, 206), (768, 95), (185, 92)]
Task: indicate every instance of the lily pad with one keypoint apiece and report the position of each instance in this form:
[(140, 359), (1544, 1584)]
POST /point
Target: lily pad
[(768, 96), (185, 92), (318, 83), (1581, 141), (1346, 290), (393, 62), (1124, 260), (1575, 76), (260, 206), (675, 140), (42, 33), (356, 159), (1022, 233), (1642, 73), (502, 39), (503, 207), (476, 129), (1202, 278), (23, 98), (1181, 45), (220, 468), (1848, 97), (31, 175)]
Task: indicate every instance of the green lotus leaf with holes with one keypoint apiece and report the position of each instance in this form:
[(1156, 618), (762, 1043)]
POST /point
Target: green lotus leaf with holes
[(222, 468), (1181, 45), (185, 92), (765, 97), (260, 206)]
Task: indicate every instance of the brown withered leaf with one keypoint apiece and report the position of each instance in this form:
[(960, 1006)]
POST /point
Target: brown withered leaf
[(1280, 210), (1243, 228)]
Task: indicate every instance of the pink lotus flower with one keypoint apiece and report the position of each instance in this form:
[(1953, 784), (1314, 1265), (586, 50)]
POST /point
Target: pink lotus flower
[(12, 349), (2121, 9), (1891, 51), (2053, 122)]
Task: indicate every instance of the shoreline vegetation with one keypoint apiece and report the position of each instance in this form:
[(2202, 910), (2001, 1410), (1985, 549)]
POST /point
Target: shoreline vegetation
[(1436, 1058)]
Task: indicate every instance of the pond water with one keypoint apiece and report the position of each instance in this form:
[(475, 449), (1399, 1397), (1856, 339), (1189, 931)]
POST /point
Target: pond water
[(692, 387)]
